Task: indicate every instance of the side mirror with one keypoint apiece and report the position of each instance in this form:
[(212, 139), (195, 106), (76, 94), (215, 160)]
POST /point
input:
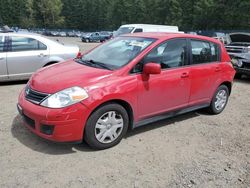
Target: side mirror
[(152, 68)]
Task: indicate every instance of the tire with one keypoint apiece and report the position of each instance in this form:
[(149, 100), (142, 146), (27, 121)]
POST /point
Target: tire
[(102, 123), (222, 93), (238, 76), (87, 40)]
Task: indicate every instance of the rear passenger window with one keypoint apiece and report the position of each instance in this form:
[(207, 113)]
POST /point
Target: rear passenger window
[(1, 43), (42, 46), (26, 44), (204, 52)]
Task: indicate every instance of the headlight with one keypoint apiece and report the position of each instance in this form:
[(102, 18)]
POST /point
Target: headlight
[(65, 98), (237, 62)]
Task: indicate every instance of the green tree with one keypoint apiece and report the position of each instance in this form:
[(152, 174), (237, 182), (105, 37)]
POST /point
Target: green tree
[(48, 13)]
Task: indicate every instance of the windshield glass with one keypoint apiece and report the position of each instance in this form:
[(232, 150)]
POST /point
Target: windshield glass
[(123, 30), (118, 52)]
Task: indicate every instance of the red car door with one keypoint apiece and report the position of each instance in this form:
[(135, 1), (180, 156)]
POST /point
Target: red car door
[(205, 71), (170, 89)]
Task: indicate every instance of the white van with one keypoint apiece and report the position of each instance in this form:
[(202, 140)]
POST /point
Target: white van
[(136, 28)]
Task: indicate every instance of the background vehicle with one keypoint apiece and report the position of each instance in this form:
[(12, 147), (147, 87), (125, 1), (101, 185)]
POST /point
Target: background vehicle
[(137, 28), (239, 51), (23, 54), (106, 34), (125, 83), (94, 37)]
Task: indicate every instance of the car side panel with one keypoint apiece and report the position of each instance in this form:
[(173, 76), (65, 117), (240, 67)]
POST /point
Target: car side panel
[(203, 81), (3, 67), (119, 88), (22, 64), (163, 92)]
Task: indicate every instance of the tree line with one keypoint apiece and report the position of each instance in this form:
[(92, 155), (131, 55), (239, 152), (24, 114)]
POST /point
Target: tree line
[(110, 14)]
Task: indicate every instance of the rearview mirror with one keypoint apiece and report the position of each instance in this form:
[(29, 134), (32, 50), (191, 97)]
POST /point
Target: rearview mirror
[(152, 68)]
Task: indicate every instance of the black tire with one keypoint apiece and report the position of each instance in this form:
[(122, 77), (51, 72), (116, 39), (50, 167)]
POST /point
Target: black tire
[(212, 108), (89, 132), (238, 76), (87, 40)]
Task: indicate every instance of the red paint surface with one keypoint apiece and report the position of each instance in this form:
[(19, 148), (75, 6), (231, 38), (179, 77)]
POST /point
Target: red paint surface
[(147, 95)]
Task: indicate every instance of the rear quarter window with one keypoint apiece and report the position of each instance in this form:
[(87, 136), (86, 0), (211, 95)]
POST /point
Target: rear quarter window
[(1, 43)]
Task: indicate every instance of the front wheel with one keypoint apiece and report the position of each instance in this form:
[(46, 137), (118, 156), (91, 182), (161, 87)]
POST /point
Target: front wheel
[(106, 126), (219, 100)]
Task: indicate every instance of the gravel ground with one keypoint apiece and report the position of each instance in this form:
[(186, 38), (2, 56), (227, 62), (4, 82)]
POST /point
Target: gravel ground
[(192, 150)]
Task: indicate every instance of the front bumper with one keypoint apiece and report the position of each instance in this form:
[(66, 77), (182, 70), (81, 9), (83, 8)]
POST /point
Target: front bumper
[(59, 125), (243, 71)]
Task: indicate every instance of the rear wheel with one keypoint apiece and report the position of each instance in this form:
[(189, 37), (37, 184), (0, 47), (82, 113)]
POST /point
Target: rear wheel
[(106, 126), (219, 100)]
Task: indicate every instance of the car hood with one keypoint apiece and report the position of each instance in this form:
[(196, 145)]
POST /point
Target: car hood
[(64, 75), (240, 37)]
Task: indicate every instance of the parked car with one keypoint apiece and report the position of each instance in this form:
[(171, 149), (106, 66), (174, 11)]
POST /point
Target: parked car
[(70, 34), (239, 51), (93, 37), (23, 54), (137, 28), (125, 83), (62, 34), (107, 35)]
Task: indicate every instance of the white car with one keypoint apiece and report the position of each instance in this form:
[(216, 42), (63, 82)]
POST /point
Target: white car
[(137, 28), (23, 54)]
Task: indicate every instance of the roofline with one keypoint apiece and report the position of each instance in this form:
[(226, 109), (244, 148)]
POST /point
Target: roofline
[(170, 35)]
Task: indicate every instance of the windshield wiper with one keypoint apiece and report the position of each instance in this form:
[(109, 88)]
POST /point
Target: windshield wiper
[(93, 63), (103, 65)]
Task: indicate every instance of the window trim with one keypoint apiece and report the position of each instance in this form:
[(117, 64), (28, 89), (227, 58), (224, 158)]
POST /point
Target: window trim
[(166, 69)]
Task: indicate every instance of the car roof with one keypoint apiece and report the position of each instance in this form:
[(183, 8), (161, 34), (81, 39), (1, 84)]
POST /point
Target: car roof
[(166, 35)]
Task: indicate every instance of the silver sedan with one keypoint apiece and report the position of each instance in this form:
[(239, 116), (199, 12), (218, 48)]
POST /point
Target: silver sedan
[(23, 54)]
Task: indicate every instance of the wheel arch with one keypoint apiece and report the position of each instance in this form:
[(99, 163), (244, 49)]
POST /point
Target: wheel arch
[(228, 84), (50, 63), (124, 104)]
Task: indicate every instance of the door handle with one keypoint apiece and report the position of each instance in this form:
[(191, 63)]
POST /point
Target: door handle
[(1, 58), (217, 69), (184, 75), (42, 55)]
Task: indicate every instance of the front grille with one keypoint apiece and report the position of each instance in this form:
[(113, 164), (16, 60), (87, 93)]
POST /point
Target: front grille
[(29, 121), (235, 49), (34, 96)]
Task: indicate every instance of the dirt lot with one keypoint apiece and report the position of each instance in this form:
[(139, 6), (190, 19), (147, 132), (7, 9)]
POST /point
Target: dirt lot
[(192, 150)]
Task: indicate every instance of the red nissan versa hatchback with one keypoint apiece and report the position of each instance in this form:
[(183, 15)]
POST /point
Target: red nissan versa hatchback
[(124, 83)]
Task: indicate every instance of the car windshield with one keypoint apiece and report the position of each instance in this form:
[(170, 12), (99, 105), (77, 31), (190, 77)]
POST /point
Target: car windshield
[(117, 52), (123, 30)]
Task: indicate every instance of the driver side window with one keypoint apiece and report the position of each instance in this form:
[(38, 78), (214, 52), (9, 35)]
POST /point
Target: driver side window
[(170, 54)]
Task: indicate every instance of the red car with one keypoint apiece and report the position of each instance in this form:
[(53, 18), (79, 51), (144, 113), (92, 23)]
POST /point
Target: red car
[(124, 83)]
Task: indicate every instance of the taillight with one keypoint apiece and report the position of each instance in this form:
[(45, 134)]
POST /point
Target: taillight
[(79, 55)]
